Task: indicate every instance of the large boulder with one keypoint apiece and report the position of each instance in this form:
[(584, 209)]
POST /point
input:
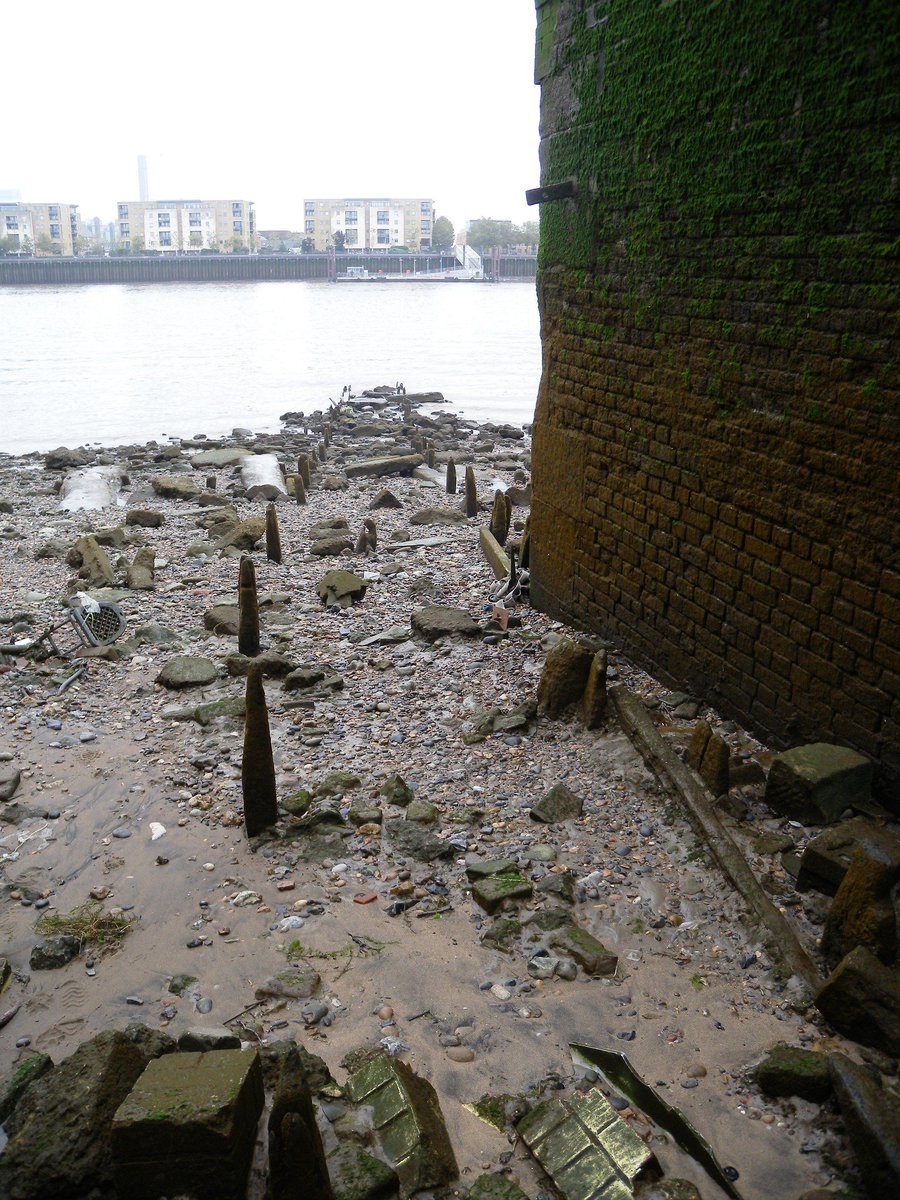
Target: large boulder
[(244, 535), (872, 1119), (410, 839), (92, 562), (827, 857), (341, 587), (862, 913), (400, 464), (558, 804)]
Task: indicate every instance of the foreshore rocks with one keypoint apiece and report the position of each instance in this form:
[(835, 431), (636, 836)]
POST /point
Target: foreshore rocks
[(463, 862)]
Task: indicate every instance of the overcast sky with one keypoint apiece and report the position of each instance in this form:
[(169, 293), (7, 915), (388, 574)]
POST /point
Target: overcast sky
[(273, 102)]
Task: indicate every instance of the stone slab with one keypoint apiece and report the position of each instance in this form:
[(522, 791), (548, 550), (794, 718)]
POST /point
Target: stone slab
[(189, 1126)]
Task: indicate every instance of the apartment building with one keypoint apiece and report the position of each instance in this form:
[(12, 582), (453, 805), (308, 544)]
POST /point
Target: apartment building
[(39, 229), (369, 224), (185, 226)]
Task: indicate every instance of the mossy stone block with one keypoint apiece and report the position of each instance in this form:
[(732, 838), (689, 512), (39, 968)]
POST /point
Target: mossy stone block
[(815, 783), (792, 1071), (189, 1126), (491, 891)]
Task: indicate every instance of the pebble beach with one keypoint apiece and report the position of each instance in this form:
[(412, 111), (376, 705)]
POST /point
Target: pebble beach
[(335, 929)]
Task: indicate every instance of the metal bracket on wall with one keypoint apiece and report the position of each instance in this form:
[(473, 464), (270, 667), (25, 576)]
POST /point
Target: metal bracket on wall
[(553, 191)]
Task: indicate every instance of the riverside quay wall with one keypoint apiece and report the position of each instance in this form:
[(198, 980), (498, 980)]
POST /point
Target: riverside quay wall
[(716, 452), (217, 268)]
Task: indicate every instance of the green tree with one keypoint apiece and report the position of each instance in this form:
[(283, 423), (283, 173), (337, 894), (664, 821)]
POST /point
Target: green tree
[(8, 244), (196, 239), (531, 233), (443, 234), (137, 244), (486, 232)]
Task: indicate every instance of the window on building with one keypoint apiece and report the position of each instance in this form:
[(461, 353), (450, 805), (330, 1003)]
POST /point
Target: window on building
[(236, 210), (351, 236), (12, 222), (238, 226), (309, 210), (426, 207), (383, 236), (124, 229), (123, 212), (310, 227), (426, 226), (54, 231), (382, 216), (194, 220), (164, 220), (53, 212), (350, 217), (165, 238)]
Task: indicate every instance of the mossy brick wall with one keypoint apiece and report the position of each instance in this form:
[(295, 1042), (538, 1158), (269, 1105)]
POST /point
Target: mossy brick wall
[(716, 451)]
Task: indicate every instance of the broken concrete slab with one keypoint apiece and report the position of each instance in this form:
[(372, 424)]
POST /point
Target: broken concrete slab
[(863, 913), (816, 782), (189, 1125), (572, 941), (175, 487), (344, 588), (408, 1122)]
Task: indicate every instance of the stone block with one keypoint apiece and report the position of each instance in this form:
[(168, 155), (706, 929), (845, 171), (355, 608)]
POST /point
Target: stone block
[(491, 891), (189, 1126), (408, 1121), (590, 954), (564, 677), (356, 1175), (861, 998), (585, 1147), (559, 804), (297, 1169), (59, 1130), (815, 783), (792, 1071), (862, 913), (400, 464), (827, 857), (872, 1119)]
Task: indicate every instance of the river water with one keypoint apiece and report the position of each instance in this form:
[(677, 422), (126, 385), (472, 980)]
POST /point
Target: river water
[(118, 364)]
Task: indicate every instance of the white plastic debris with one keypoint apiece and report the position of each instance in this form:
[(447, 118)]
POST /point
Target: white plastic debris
[(156, 830)]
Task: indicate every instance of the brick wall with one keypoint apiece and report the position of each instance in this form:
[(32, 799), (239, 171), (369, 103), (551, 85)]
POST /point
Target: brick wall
[(716, 450)]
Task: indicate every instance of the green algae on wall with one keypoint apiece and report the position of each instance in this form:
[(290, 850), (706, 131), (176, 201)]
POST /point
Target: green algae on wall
[(718, 306)]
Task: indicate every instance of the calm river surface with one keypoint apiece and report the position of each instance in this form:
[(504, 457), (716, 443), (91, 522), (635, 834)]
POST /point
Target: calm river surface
[(114, 365)]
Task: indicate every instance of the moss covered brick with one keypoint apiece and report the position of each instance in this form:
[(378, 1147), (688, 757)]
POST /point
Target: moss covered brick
[(716, 441)]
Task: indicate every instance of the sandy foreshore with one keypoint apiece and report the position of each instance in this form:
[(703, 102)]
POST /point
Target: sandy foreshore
[(109, 761)]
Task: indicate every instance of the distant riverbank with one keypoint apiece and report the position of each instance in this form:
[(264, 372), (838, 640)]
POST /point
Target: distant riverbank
[(222, 268)]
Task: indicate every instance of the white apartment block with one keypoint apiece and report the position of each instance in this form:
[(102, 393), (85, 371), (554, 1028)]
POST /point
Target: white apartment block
[(186, 226), (39, 229), (370, 223)]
